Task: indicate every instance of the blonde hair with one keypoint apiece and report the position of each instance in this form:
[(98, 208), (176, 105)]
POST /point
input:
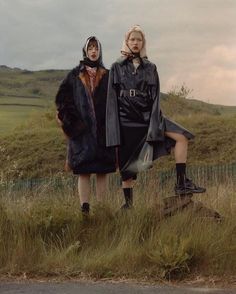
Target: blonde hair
[(125, 49)]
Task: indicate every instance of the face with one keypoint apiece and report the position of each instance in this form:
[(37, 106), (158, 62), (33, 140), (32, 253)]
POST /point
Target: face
[(135, 42), (93, 53)]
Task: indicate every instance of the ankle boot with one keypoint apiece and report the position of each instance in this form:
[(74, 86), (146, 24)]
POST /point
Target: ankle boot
[(128, 194), (85, 208)]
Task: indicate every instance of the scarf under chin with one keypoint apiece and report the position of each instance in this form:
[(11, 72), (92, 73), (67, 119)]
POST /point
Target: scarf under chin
[(92, 71), (131, 55), (90, 63)]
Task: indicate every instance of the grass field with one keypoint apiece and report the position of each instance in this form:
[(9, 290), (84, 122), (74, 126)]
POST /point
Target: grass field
[(30, 83), (15, 111), (12, 117), (24, 101), (43, 233), (24, 93), (42, 145), (30, 130)]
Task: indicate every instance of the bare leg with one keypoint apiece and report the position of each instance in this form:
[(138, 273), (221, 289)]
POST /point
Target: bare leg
[(184, 185), (181, 146), (84, 188), (101, 186)]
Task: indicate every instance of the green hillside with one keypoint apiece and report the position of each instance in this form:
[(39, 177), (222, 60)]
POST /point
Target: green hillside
[(175, 105), (24, 93), (31, 84), (36, 147)]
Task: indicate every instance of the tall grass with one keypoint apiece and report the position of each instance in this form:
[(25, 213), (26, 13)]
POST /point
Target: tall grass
[(42, 232)]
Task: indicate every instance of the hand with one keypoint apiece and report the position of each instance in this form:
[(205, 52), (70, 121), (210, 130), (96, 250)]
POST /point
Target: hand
[(57, 119)]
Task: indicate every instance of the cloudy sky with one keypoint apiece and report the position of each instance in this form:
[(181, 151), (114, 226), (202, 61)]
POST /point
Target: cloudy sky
[(191, 41)]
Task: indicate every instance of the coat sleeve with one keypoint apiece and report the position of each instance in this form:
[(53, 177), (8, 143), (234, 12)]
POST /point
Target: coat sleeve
[(64, 93), (156, 125), (112, 112), (67, 113)]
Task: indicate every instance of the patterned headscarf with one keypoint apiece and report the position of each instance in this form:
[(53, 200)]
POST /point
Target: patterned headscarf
[(86, 60), (125, 50)]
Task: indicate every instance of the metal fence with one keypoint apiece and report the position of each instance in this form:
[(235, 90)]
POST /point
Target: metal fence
[(205, 174), (208, 174)]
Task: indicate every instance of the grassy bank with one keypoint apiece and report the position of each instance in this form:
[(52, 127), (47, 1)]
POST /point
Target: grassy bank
[(24, 93), (42, 233), (33, 146), (38, 148), (13, 116)]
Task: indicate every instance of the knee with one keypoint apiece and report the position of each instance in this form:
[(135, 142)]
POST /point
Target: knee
[(182, 139)]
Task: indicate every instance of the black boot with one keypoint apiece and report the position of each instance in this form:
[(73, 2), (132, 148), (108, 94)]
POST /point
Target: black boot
[(128, 193), (188, 187), (85, 208), (184, 185), (180, 173)]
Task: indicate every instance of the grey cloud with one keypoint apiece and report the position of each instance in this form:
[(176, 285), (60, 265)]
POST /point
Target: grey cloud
[(37, 34)]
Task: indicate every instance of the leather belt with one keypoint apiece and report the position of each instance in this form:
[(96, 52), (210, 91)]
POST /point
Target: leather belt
[(132, 93)]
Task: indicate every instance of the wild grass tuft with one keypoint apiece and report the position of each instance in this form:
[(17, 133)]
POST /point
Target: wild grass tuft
[(43, 232)]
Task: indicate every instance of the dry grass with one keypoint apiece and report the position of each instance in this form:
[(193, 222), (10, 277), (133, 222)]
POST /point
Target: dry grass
[(42, 232)]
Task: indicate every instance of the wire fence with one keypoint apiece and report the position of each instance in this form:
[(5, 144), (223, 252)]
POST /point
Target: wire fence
[(204, 175)]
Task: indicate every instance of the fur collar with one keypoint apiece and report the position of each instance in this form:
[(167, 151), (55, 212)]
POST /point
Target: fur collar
[(84, 77)]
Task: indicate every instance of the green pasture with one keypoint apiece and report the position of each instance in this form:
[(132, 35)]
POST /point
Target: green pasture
[(37, 130), (29, 83), (24, 101), (15, 111), (42, 145), (13, 116), (24, 93)]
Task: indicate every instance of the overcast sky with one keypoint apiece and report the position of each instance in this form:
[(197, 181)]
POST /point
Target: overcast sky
[(190, 41)]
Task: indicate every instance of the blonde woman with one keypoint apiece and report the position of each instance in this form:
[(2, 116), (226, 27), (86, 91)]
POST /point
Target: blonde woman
[(135, 120)]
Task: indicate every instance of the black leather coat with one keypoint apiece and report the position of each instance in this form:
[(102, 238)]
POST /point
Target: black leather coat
[(140, 109), (134, 100)]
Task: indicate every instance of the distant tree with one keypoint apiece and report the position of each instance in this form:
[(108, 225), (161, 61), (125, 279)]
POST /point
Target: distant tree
[(181, 92)]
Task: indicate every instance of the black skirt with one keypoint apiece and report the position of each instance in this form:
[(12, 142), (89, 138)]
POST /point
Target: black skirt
[(133, 139), (131, 145)]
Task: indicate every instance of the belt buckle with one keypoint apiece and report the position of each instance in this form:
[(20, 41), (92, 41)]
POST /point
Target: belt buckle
[(132, 92)]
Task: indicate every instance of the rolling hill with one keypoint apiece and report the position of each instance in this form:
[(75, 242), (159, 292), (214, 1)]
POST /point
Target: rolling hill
[(24, 93), (32, 145)]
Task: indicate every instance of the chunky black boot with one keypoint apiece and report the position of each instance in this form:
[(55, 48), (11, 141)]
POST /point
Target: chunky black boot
[(188, 187), (184, 185), (128, 193)]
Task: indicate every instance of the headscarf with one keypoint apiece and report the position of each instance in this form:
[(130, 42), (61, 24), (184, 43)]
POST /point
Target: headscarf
[(126, 51), (86, 60)]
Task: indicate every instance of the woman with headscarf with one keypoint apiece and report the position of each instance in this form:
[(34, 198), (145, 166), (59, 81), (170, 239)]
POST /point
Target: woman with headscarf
[(135, 123), (81, 109)]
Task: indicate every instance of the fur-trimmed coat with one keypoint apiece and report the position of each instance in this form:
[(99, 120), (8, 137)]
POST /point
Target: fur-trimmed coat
[(82, 117)]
